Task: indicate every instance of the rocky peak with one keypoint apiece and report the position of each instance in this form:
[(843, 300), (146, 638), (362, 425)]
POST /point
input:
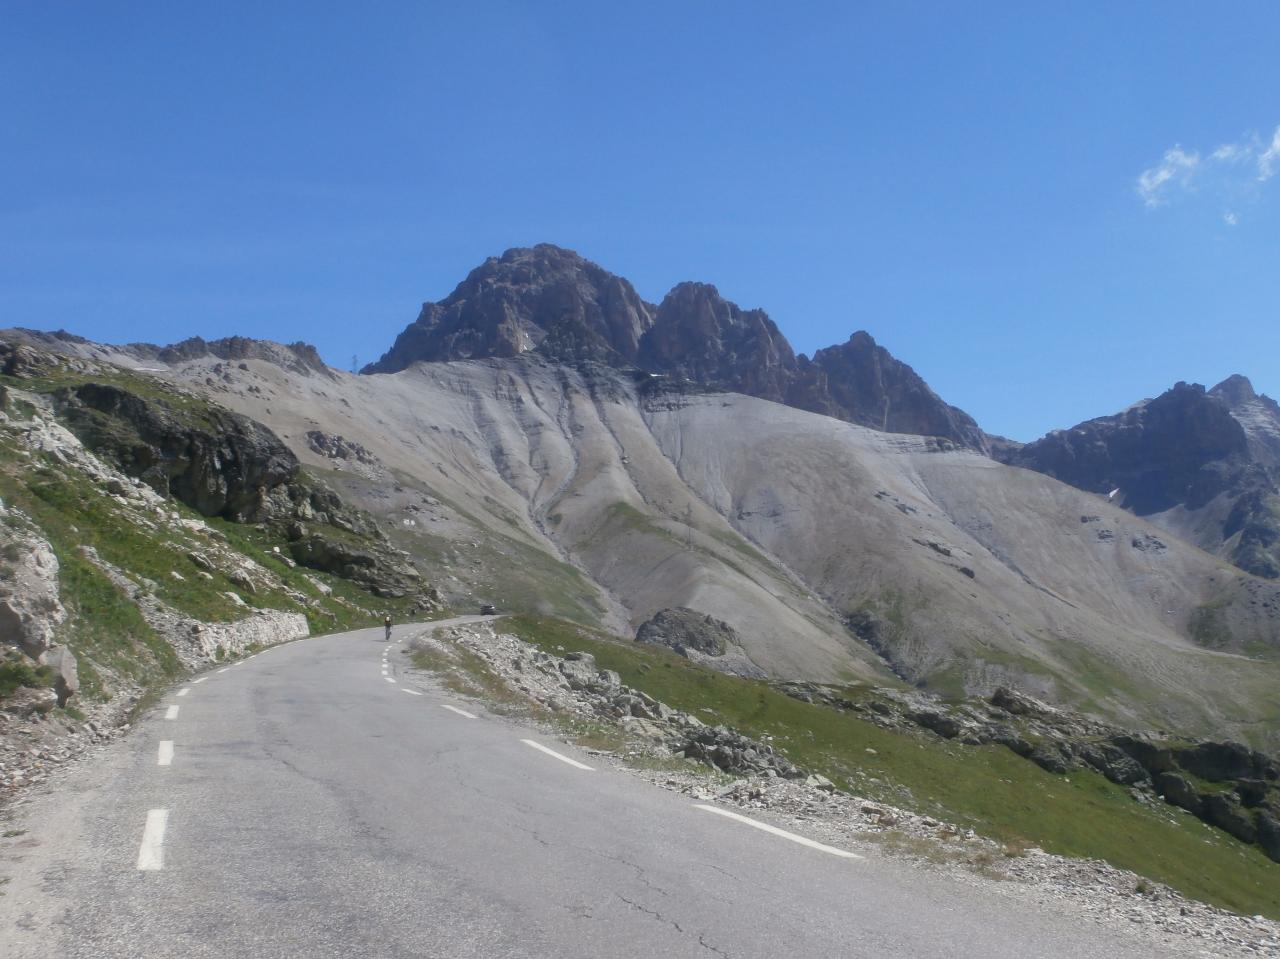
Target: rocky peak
[(296, 357), (542, 298), (1158, 453), (699, 335), (1236, 390), (1257, 413), (862, 382), (552, 301)]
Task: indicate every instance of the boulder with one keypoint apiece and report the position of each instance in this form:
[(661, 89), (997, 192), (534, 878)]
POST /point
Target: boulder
[(1019, 704), (30, 610), (1269, 834), (66, 678), (1154, 757), (684, 629), (1224, 811), (1221, 762), (1050, 759), (944, 724), (1177, 791), (1114, 763)]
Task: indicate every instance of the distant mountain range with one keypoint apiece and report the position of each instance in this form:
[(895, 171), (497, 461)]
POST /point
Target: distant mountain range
[(545, 439), (551, 302), (1201, 464)]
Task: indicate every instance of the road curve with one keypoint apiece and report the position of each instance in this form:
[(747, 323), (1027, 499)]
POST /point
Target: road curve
[(312, 802)]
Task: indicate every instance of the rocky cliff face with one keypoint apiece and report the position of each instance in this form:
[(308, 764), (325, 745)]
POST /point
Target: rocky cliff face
[(1202, 462), (699, 335), (556, 303), (861, 382), (217, 462)]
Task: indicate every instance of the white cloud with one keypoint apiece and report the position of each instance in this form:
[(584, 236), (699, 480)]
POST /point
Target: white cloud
[(1177, 167), (1268, 158), (1232, 170)]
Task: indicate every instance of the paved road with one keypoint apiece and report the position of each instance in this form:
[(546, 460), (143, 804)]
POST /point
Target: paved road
[(315, 804)]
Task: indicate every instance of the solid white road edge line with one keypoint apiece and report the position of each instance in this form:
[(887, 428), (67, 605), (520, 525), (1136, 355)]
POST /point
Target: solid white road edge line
[(165, 755), (463, 712), (411, 692), (184, 691), (171, 712), (151, 852), (552, 752), (774, 830)]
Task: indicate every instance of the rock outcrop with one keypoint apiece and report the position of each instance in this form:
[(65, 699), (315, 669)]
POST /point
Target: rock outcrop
[(1226, 784), (30, 610), (683, 629), (217, 462), (554, 302)]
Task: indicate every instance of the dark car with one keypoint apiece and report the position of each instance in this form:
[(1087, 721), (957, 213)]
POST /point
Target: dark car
[(487, 609)]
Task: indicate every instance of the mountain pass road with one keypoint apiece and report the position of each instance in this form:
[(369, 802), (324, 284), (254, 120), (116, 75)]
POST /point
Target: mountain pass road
[(322, 799)]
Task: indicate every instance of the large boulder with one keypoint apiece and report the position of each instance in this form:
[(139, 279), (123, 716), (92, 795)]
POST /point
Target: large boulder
[(1224, 811), (30, 611), (684, 629), (1221, 762), (66, 678)]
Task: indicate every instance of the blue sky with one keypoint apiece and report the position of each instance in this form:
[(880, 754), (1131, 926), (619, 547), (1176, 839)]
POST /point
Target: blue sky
[(1033, 207)]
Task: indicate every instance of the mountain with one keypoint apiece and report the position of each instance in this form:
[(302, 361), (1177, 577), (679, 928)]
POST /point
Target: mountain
[(833, 552), (553, 302), (1202, 464), (861, 382)]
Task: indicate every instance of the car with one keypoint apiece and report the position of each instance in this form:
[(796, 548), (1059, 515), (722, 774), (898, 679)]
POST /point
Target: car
[(487, 609)]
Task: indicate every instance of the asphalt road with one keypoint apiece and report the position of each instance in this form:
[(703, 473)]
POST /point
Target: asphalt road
[(315, 804)]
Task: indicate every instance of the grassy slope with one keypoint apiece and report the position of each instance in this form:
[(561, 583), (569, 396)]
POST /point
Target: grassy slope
[(105, 627), (986, 788)]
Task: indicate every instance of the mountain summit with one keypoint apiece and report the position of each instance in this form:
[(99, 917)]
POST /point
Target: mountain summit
[(1204, 464), (553, 302)]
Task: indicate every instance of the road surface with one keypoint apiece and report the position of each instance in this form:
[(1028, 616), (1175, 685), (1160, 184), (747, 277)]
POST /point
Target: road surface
[(321, 799)]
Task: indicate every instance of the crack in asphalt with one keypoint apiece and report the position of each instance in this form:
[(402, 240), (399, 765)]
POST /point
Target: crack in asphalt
[(702, 938), (650, 912)]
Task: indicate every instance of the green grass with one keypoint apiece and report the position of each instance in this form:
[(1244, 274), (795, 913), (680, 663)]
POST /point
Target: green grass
[(986, 788), (187, 406), (71, 508), (14, 674)]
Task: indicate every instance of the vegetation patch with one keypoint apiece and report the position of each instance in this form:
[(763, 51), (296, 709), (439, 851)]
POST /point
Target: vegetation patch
[(986, 788)]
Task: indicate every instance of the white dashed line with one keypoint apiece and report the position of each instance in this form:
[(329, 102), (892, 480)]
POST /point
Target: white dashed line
[(388, 679), (460, 712), (411, 692), (552, 752), (184, 691), (171, 712), (165, 756), (197, 682), (774, 830), (224, 669), (151, 852)]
